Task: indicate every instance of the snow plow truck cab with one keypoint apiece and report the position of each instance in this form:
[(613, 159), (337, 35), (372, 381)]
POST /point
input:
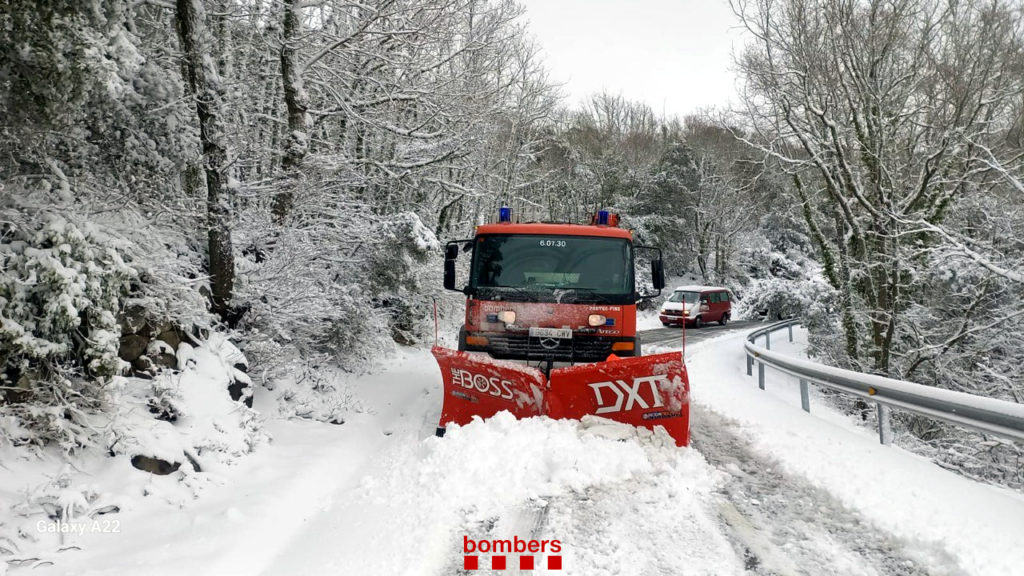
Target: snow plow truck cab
[(541, 295)]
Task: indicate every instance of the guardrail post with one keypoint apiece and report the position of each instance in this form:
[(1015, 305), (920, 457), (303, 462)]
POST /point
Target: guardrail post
[(750, 365), (768, 340), (884, 426), (790, 332), (760, 375), (805, 399)]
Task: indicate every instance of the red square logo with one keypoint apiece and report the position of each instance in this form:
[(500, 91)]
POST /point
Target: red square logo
[(497, 562), (470, 562), (526, 562), (554, 562)]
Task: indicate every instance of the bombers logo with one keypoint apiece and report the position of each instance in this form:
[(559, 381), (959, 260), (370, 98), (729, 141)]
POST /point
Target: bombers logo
[(492, 385), (628, 394)]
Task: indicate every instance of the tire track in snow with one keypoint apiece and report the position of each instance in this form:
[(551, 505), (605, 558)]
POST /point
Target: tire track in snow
[(626, 529), (528, 523), (782, 524)]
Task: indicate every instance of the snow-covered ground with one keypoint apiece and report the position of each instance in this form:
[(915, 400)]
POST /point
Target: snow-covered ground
[(765, 489), (648, 320), (980, 527)]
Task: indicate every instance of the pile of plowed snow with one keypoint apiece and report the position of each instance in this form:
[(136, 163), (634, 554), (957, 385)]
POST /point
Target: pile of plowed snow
[(420, 501)]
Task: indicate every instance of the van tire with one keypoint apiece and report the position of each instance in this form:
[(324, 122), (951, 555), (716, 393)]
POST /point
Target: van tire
[(699, 322), (724, 320)]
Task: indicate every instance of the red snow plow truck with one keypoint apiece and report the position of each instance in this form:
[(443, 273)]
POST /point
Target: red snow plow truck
[(551, 329)]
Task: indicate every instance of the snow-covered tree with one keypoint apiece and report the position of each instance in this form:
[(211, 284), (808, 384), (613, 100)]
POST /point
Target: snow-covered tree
[(889, 116)]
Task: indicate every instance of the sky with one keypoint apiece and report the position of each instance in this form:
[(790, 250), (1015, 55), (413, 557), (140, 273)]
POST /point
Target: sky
[(675, 55)]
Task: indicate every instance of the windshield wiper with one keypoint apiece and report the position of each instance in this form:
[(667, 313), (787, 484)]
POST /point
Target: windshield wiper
[(590, 292), (526, 295)]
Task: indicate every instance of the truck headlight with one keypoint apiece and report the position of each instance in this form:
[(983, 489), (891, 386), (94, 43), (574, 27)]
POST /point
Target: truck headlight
[(507, 316), (596, 320)]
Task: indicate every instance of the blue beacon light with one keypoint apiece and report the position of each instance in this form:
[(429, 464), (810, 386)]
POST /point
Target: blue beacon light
[(602, 217), (504, 214)]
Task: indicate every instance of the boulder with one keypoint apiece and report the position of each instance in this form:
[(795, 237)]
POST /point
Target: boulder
[(132, 346), (240, 390), (171, 337), (164, 360), (143, 367), (132, 320), (22, 389), (156, 347), (155, 465)]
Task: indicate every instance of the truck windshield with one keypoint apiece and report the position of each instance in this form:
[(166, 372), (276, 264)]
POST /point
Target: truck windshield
[(681, 296), (551, 268)]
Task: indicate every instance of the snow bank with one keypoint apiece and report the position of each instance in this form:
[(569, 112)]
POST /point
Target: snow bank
[(185, 418), (199, 422), (981, 526), (514, 461), (410, 513)]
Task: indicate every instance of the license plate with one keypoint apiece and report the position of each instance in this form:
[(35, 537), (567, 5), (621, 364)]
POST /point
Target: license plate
[(536, 332)]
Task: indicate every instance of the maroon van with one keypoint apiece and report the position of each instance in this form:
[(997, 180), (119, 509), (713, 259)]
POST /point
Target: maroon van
[(696, 306)]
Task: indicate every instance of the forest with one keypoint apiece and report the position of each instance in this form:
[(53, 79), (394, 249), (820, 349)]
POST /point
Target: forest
[(278, 177)]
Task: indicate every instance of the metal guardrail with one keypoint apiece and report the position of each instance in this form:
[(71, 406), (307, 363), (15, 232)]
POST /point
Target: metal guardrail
[(998, 417)]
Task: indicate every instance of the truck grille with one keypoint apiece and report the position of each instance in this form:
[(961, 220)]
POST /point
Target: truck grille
[(577, 349)]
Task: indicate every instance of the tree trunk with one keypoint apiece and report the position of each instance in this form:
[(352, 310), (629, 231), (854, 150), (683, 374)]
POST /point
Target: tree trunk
[(191, 176), (205, 84), (297, 141)]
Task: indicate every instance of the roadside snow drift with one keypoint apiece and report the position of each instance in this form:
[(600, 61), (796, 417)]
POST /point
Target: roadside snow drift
[(411, 513), (908, 496)]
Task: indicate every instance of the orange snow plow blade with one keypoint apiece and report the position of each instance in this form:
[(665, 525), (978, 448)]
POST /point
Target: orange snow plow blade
[(478, 386), (647, 391)]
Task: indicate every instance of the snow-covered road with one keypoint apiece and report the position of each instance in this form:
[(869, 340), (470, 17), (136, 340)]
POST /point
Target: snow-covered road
[(765, 489), (783, 524)]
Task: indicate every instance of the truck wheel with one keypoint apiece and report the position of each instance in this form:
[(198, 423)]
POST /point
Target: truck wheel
[(666, 323)]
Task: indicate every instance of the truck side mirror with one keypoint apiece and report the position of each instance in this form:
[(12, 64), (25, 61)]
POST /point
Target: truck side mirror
[(451, 254), (657, 271), (449, 272), (658, 274)]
